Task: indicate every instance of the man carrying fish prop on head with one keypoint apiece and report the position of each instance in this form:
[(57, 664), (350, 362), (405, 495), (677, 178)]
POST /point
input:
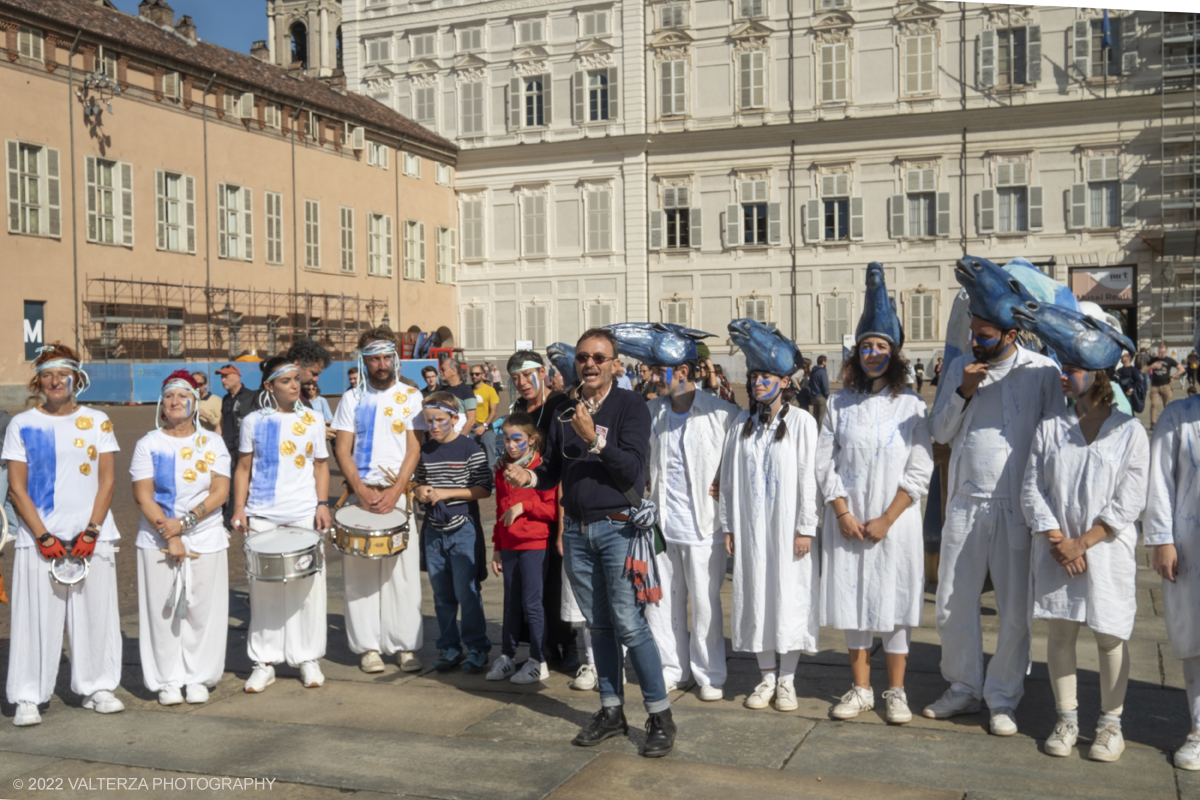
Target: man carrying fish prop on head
[(989, 405)]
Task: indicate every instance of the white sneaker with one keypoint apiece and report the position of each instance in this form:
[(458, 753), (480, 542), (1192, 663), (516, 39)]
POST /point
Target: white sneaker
[(371, 662), (853, 703), (898, 711), (27, 714), (762, 695), (531, 672), (785, 695), (1003, 722), (1108, 745), (310, 675), (1062, 739), (262, 677), (585, 679), (408, 661), (170, 696), (197, 693), (951, 704), (711, 694), (104, 702), (1188, 756), (503, 668)]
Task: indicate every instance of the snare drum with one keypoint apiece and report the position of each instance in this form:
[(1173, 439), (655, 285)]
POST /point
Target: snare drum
[(68, 570), (283, 554), (362, 533)]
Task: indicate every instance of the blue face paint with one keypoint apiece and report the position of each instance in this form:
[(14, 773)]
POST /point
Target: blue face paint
[(868, 351), (536, 383), (188, 407), (70, 384), (978, 342), (517, 444), (766, 382), (668, 374)]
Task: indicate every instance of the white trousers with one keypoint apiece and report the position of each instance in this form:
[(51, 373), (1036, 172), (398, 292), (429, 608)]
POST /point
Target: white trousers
[(975, 541), (40, 608), (1191, 681), (287, 620), (383, 601), (188, 651), (895, 641), (695, 573)]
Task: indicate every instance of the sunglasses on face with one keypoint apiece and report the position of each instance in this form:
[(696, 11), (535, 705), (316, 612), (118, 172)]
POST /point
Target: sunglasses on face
[(583, 358)]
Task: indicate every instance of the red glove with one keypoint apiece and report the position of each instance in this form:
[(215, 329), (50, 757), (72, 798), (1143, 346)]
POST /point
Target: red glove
[(82, 547), (52, 550)]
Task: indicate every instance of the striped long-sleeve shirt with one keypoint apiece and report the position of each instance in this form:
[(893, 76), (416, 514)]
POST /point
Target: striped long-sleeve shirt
[(457, 464)]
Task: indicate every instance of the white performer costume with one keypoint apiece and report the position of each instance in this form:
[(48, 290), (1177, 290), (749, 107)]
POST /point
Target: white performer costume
[(985, 530), (871, 446), (383, 596), (287, 620), (685, 460), (182, 639), (61, 456), (768, 495)]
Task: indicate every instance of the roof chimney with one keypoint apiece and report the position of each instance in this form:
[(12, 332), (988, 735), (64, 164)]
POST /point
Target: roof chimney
[(157, 11), (260, 50), (186, 28)]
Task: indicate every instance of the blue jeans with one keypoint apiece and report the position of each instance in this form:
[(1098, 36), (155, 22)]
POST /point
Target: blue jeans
[(595, 560), (450, 559)]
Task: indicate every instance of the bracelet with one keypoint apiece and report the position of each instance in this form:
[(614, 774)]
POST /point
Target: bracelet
[(844, 513), (187, 521)]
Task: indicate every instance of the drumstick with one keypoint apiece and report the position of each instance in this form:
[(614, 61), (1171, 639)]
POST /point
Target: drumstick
[(341, 501), (189, 555), (393, 477)]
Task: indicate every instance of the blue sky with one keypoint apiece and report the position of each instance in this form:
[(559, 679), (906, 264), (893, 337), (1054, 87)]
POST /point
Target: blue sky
[(229, 23)]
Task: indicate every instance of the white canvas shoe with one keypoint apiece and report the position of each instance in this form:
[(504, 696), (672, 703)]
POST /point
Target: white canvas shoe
[(104, 702), (785, 695), (262, 677), (1004, 723), (197, 693), (311, 675), (170, 696), (1062, 739), (1108, 744), (853, 703), (951, 704), (531, 672), (585, 679), (371, 662), (710, 694), (898, 711), (762, 695), (408, 661), (503, 668), (1188, 756), (27, 714)]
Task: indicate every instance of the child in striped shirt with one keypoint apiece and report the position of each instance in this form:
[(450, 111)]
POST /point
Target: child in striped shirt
[(452, 477)]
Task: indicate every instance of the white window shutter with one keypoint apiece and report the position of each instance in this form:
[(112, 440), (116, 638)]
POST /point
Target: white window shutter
[(90, 170), (189, 188), (1020, 173), (1033, 54), (222, 233), (126, 203), (13, 154), (579, 97), (160, 209), (1128, 204), (733, 225), (987, 58), (987, 211), (514, 104), (1035, 208), (614, 91), (421, 249), (1004, 175), (358, 138), (1129, 44), (656, 230), (1081, 47), (53, 194), (247, 226), (388, 249), (1077, 217), (943, 213), (547, 97), (898, 226), (1095, 169), (856, 219), (812, 221), (695, 227), (774, 226), (453, 234)]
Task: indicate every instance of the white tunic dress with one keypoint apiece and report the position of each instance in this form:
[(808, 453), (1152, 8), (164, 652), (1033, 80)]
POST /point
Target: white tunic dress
[(768, 495), (1070, 486), (870, 446), (1173, 517)]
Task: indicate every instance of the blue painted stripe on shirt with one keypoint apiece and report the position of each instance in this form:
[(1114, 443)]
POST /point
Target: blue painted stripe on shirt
[(364, 435), (164, 481), (266, 460), (41, 463)]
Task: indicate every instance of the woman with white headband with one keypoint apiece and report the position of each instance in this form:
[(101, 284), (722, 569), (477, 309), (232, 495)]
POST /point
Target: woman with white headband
[(282, 480), (61, 475), (180, 480)]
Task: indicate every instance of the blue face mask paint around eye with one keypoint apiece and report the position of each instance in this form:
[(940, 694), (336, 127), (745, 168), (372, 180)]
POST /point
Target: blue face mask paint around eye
[(537, 384), (70, 384), (188, 407), (978, 342), (668, 375), (767, 382)]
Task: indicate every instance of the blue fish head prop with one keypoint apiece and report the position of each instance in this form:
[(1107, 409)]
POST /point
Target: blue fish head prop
[(562, 356), (879, 312), (765, 348), (657, 344), (993, 292), (1077, 339), (1041, 286)]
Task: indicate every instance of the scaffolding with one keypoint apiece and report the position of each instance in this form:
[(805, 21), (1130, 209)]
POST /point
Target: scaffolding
[(129, 320)]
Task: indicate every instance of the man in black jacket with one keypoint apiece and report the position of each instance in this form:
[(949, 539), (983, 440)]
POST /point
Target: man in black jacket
[(596, 448)]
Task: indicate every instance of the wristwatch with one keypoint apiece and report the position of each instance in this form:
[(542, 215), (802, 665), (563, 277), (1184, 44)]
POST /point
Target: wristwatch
[(323, 503)]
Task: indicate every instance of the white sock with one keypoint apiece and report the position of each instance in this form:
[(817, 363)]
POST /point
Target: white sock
[(769, 677)]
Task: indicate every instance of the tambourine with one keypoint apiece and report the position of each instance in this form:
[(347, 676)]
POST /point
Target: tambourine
[(68, 570)]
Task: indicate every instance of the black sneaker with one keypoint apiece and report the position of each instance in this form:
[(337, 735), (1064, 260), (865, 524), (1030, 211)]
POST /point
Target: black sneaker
[(606, 723), (660, 735), (570, 659)]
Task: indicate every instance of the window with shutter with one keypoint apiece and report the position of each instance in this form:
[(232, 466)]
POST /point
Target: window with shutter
[(530, 31), (171, 90), (833, 73), (412, 165), (474, 327), (835, 208), (599, 221), (1103, 192), (470, 39), (312, 234), (751, 80), (470, 109), (755, 212), (347, 239), (31, 43), (445, 247), (672, 89), (380, 50), (836, 313), (600, 314), (677, 312), (597, 96), (471, 224), (424, 45), (593, 23), (274, 217), (171, 211), (919, 64), (425, 105), (671, 16), (33, 189), (107, 191), (749, 9), (537, 325), (106, 63), (1011, 57), (922, 317), (757, 309), (533, 225)]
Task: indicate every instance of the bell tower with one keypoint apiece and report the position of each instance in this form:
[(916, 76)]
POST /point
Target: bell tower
[(305, 35)]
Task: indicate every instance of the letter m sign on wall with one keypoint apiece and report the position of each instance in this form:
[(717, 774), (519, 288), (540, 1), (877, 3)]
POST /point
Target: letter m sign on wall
[(34, 324)]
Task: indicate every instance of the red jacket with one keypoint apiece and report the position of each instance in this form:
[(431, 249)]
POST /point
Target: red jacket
[(540, 508)]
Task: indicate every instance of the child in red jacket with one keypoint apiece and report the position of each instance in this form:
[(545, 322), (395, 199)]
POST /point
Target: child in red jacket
[(523, 518)]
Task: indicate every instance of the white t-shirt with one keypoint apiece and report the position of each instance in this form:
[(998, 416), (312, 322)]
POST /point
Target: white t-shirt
[(182, 470), (986, 450), (679, 519), (380, 421), (61, 456), (282, 486)]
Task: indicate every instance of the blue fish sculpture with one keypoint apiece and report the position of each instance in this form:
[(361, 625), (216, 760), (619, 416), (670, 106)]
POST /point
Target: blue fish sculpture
[(993, 292), (562, 356), (879, 314), (765, 348), (657, 344), (1043, 288), (1077, 339)]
